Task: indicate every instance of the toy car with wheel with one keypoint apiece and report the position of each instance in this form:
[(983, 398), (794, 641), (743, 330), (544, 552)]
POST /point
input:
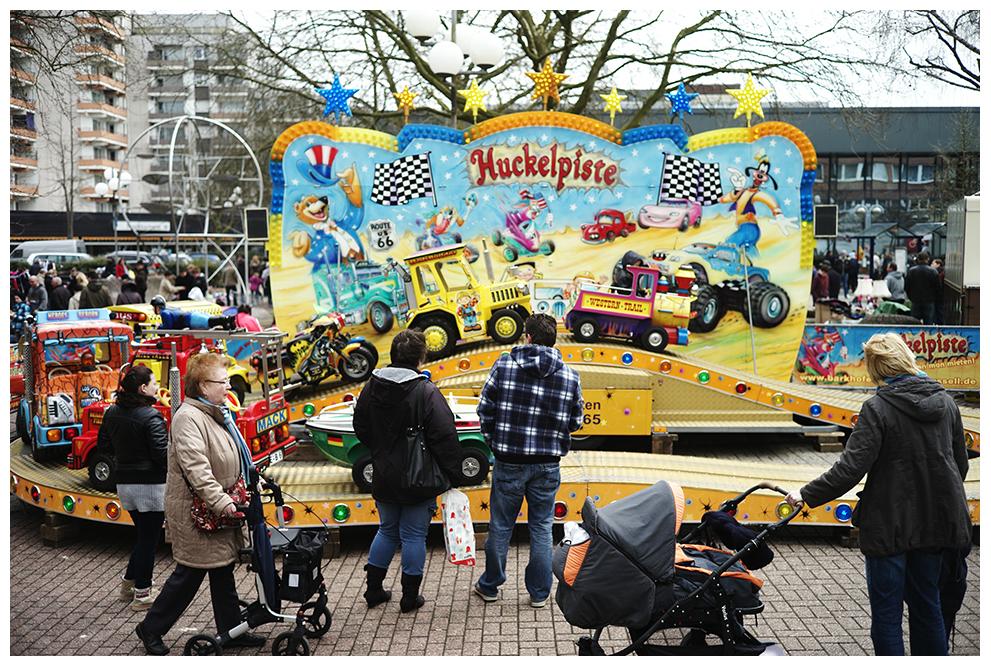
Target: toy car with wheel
[(655, 311), (450, 304), (332, 433), (677, 214), (724, 275), (609, 224)]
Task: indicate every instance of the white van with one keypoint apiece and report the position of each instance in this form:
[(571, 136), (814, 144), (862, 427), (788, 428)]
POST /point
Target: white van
[(26, 248), (59, 258)]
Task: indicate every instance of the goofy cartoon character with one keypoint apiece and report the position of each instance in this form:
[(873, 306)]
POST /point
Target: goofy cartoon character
[(743, 200)]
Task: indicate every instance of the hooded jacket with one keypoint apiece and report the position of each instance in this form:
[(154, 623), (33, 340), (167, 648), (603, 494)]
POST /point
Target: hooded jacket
[(95, 295), (530, 405), (383, 413), (895, 281), (909, 441)]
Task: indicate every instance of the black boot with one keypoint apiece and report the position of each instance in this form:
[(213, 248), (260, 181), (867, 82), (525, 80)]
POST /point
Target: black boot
[(411, 593), (374, 593)]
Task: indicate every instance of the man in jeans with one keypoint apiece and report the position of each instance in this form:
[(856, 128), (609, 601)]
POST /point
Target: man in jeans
[(529, 406)]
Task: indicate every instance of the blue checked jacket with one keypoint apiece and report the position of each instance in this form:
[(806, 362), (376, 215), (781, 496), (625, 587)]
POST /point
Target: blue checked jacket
[(531, 403)]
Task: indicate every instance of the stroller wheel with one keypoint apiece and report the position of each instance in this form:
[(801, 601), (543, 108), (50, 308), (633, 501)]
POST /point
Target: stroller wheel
[(316, 619), (287, 644), (203, 644)]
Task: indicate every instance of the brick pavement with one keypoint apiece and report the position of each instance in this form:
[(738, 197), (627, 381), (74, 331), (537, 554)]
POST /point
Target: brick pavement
[(63, 601)]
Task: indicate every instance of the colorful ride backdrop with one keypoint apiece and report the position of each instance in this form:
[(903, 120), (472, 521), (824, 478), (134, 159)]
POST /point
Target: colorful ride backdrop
[(733, 203)]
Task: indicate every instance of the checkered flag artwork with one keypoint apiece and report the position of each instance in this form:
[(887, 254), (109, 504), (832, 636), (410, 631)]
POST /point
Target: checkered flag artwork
[(399, 181), (685, 177)]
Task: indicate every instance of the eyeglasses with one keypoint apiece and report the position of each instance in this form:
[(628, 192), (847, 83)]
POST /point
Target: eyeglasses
[(224, 381)]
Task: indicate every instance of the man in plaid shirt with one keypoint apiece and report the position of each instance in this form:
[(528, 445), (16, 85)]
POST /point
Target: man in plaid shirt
[(529, 406)]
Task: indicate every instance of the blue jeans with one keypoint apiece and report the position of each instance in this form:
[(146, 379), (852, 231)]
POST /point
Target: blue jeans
[(511, 483), (910, 578), (406, 525)]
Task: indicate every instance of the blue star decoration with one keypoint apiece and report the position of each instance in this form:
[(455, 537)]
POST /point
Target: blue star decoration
[(337, 98), (680, 102)]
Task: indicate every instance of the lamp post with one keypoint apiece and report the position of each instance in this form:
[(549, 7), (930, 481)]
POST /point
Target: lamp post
[(868, 213), (447, 57), (116, 181)]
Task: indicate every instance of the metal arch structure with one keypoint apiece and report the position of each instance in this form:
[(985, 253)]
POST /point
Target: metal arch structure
[(206, 235)]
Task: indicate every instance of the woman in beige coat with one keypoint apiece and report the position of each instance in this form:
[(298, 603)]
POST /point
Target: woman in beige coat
[(204, 451)]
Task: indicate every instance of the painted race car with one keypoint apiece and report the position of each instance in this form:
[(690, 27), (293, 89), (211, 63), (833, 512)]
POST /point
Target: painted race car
[(609, 223), (671, 214)]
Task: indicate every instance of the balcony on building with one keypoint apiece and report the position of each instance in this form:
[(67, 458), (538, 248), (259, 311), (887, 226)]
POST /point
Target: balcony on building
[(101, 110), (101, 25), (20, 48), (167, 91), (98, 164), (159, 61), (101, 82), (19, 105), (101, 138), (101, 52), (19, 130), (20, 76), (23, 156), (22, 192)]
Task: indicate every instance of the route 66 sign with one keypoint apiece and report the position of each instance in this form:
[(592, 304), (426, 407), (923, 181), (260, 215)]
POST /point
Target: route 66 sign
[(382, 234)]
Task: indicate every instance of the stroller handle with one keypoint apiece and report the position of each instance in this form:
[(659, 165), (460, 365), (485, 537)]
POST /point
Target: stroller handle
[(730, 505)]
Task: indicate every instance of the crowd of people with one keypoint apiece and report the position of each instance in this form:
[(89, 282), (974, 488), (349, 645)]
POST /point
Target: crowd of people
[(919, 286), (45, 287)]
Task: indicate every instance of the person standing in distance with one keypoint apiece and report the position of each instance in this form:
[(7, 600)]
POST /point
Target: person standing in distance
[(923, 288), (530, 405), (909, 441)]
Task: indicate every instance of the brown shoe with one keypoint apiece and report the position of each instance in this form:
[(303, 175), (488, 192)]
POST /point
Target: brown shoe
[(126, 589), (143, 600)]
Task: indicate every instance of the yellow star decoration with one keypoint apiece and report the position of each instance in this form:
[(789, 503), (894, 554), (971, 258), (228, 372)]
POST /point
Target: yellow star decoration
[(405, 101), (748, 99), (473, 99), (546, 83), (612, 104)]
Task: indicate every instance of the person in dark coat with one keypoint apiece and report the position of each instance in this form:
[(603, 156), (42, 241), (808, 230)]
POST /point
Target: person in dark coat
[(129, 294), (60, 295), (909, 441), (923, 288), (852, 272), (621, 276), (136, 436), (37, 295), (95, 294), (141, 278), (835, 281), (382, 415)]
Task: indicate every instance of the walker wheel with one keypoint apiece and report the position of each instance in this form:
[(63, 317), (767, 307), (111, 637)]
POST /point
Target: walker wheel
[(316, 619), (203, 644), (288, 644)]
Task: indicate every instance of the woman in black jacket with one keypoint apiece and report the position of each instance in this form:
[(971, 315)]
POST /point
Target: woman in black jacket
[(135, 434), (909, 441), (383, 413)]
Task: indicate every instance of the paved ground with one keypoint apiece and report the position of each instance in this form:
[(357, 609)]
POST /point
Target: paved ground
[(63, 601)]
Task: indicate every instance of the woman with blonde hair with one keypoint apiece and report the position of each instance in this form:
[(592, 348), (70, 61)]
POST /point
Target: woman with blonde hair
[(207, 456), (909, 441)]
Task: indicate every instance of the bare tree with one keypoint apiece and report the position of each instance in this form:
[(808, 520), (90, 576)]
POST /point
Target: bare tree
[(941, 44), (646, 54)]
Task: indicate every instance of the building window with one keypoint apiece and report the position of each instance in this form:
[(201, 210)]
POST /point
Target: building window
[(848, 172), (918, 174)]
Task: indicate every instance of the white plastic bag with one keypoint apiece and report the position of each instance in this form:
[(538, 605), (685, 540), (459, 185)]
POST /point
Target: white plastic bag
[(459, 533)]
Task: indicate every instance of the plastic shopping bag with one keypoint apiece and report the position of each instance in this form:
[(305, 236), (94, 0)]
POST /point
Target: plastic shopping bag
[(459, 533)]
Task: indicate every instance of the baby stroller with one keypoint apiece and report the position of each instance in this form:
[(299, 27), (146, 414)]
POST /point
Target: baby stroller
[(624, 566), (301, 551)]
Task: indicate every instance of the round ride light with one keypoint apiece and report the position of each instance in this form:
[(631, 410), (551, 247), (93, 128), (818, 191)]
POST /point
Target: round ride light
[(427, 374), (464, 364), (627, 358), (68, 504), (741, 388), (853, 418), (35, 493), (778, 399), (53, 434), (968, 439), (703, 377), (113, 510), (784, 510), (341, 513), (665, 366), (71, 433), (588, 354), (815, 409), (843, 512), (560, 509), (288, 514), (14, 482), (309, 409), (348, 397)]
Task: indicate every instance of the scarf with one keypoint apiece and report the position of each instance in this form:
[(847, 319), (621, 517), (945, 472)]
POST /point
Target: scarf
[(242, 446)]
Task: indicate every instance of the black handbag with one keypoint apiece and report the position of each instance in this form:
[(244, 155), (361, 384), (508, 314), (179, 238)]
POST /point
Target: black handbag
[(421, 472)]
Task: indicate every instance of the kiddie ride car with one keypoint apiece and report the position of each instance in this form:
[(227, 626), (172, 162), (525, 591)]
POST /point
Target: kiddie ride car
[(609, 223), (71, 360), (719, 271), (264, 424), (671, 214), (520, 235), (317, 353), (655, 311), (449, 303), (332, 432)]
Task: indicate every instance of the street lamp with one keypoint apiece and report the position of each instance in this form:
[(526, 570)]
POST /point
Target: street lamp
[(116, 182), (447, 57)]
